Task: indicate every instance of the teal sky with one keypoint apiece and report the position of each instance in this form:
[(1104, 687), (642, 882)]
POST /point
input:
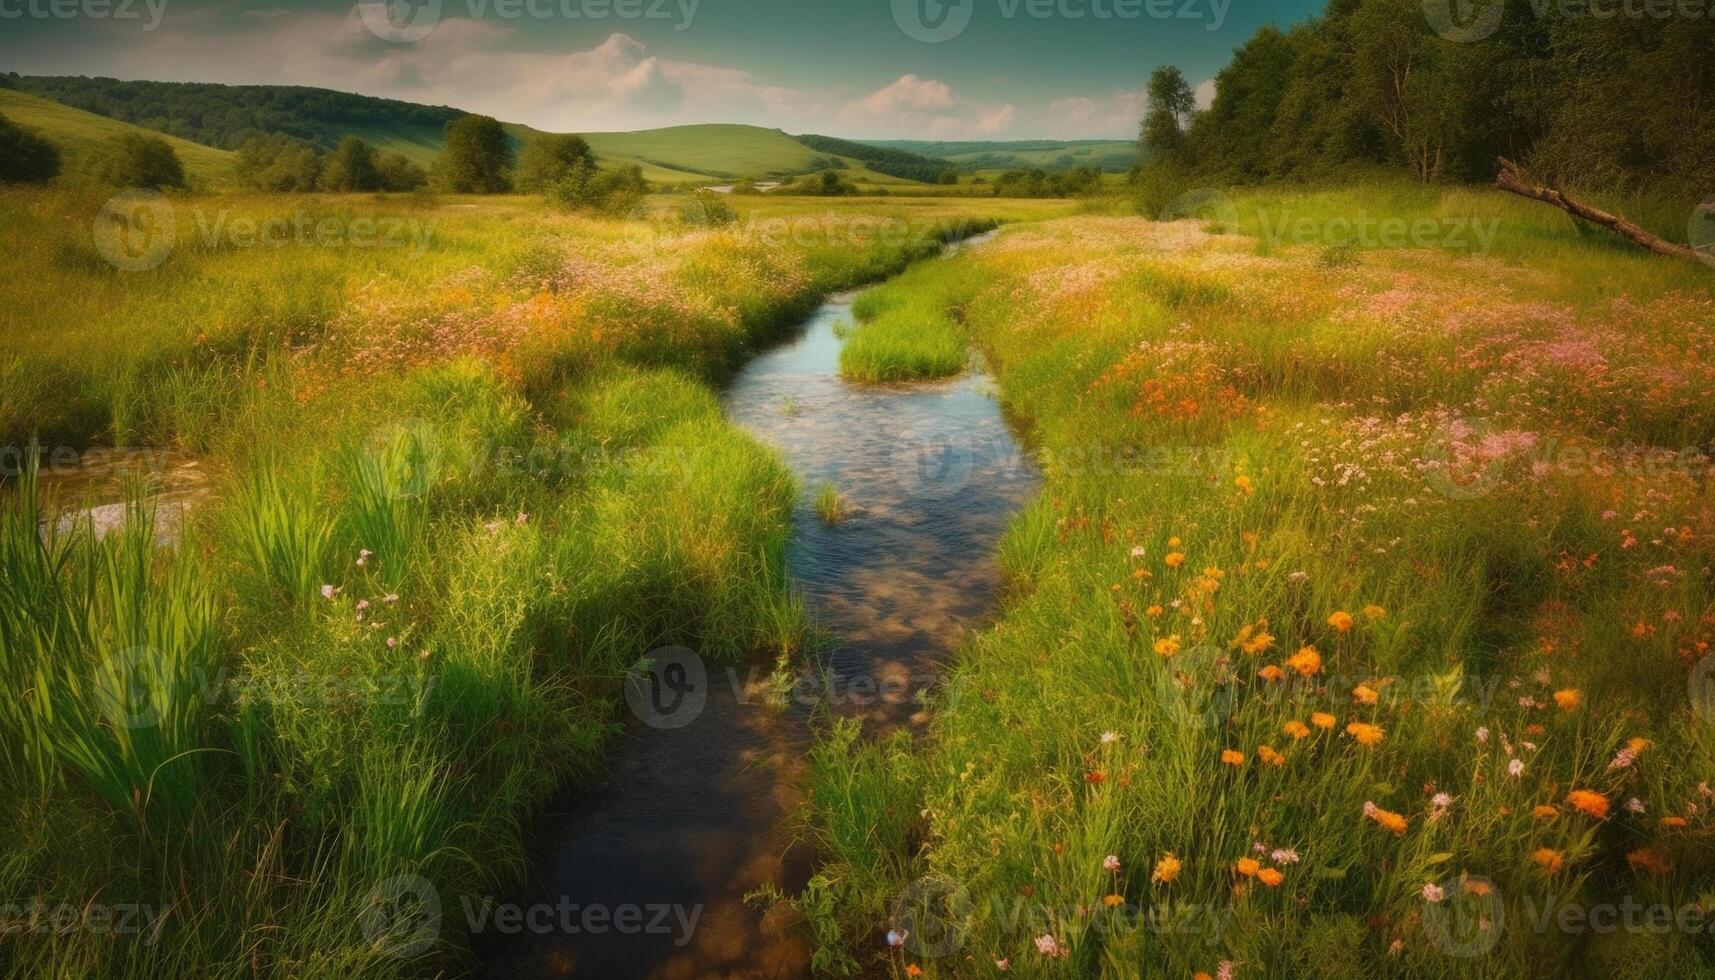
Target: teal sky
[(1005, 68)]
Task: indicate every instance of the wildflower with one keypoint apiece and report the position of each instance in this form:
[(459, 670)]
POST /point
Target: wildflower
[(328, 592), (522, 519), (1095, 777), (1167, 646), (1433, 894), (1568, 699), (392, 642), (1153, 611), (1322, 720), (1364, 694), (1623, 759), (1224, 970), (1368, 736), (1675, 822), (390, 598), (1003, 964), (1269, 756), (1244, 484), (1296, 729), (1648, 859), (1515, 768), (1589, 803), (1174, 559), (896, 937), (1166, 870), (1637, 745), (1341, 621), (1272, 674), (1306, 661), (1634, 805), (1374, 612), (1441, 801), (1247, 867), (1232, 758), (1111, 863), (1270, 877), (363, 556), (1137, 552), (1113, 901), (913, 970), (1109, 738), (1482, 735), (1544, 812), (1386, 818), (1548, 859), (1050, 947)]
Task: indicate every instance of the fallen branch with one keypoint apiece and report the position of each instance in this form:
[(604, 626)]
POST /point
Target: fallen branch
[(1511, 179)]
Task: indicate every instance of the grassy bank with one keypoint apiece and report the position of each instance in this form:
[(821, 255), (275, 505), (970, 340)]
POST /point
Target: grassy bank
[(463, 478), (1359, 621)]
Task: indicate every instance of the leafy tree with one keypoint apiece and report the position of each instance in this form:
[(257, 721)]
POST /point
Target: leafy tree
[(549, 159), (278, 163), (1171, 103), (24, 156), (477, 158), (352, 168), (590, 188), (398, 173), (135, 160)]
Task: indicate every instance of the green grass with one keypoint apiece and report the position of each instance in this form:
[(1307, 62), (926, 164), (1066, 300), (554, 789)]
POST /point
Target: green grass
[(77, 133), (1276, 431), (909, 329), (830, 505), (458, 490)]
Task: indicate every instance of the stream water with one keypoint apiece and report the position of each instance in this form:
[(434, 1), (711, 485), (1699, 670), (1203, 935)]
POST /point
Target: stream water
[(694, 813)]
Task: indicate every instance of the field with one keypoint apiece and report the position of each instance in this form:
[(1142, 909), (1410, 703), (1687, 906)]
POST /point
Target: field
[(1360, 628), (465, 463), (76, 132)]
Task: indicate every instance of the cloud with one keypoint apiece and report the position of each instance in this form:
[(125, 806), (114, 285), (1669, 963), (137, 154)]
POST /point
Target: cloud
[(1205, 94), (1115, 116), (914, 106)]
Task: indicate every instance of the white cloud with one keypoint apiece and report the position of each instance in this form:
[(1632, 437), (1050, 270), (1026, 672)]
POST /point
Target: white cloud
[(924, 107), (1205, 94), (1115, 116)]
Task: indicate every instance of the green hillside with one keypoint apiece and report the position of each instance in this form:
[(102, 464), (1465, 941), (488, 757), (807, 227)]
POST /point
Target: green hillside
[(971, 155), (717, 150), (77, 132)]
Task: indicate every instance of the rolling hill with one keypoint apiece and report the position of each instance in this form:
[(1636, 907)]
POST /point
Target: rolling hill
[(1108, 155), (76, 132)]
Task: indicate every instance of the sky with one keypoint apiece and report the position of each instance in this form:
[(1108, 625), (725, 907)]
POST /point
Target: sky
[(922, 69)]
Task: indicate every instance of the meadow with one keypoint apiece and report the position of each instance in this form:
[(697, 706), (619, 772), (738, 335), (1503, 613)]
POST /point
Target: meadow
[(466, 463), (1362, 627)]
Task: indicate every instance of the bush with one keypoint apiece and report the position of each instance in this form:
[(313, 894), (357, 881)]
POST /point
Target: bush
[(398, 173), (589, 188), (352, 168), (279, 163), (135, 160), (708, 209), (547, 160), (26, 157)]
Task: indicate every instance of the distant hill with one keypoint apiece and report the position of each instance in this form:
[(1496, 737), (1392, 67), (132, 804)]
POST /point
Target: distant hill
[(882, 159), (76, 132), (1108, 155)]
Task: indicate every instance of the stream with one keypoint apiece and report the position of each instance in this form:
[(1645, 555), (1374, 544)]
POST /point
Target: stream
[(693, 814)]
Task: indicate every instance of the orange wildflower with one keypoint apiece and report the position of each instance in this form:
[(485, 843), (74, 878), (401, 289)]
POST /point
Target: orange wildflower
[(1270, 877), (1306, 661), (1364, 694), (1295, 728), (1545, 812), (1568, 700), (1168, 646), (1271, 673), (1648, 859), (1374, 612), (1112, 901), (1269, 756), (1174, 559), (1368, 736), (1247, 867), (1166, 869), (1675, 822), (1341, 621), (1386, 818), (1232, 758), (1322, 720), (1548, 859), (1589, 803)]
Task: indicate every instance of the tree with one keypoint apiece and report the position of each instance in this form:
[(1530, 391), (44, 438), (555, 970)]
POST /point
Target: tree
[(477, 159), (589, 188), (1171, 103), (547, 160), (24, 156), (352, 168), (278, 163), (398, 173), (135, 160)]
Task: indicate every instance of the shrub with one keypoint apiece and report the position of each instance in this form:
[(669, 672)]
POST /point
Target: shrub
[(279, 163), (589, 188), (135, 160), (708, 209), (547, 160), (24, 156), (352, 168)]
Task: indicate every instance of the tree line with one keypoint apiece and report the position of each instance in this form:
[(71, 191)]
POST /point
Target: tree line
[(1623, 103)]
